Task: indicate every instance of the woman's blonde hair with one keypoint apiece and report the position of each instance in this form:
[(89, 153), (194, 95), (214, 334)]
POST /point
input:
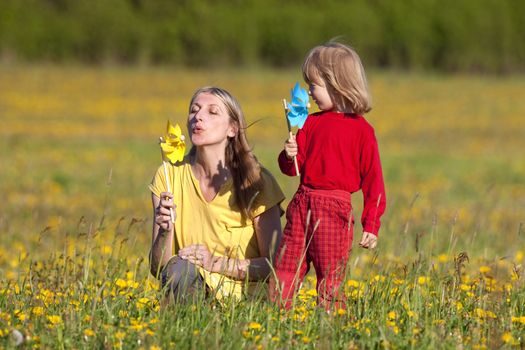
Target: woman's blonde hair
[(240, 160), (339, 67)]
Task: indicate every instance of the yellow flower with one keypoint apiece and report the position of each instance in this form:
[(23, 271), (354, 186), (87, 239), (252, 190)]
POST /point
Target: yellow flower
[(254, 325), (484, 269), (459, 306), (306, 339), (88, 332), (37, 311), (464, 287), (518, 319), (121, 283), (352, 283), (421, 280), (480, 313), (154, 347), (173, 145), (398, 281), (142, 302), (392, 315), (196, 332), (443, 258), (519, 256), (508, 338), (120, 335), (54, 320), (20, 315), (311, 292), (341, 312)]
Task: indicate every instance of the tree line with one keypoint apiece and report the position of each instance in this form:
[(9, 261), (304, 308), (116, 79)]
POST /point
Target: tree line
[(447, 35)]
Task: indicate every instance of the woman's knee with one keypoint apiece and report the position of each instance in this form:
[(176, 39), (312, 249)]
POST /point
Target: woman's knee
[(181, 278)]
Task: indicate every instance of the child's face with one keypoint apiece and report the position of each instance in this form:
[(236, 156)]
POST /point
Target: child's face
[(320, 95)]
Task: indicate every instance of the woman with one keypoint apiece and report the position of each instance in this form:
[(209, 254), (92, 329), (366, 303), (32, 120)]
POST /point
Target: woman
[(226, 207)]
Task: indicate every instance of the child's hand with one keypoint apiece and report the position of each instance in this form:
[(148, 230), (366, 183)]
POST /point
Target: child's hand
[(290, 147), (369, 240)]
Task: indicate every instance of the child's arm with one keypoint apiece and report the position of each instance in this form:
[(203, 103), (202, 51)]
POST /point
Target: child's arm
[(373, 187), (293, 147)]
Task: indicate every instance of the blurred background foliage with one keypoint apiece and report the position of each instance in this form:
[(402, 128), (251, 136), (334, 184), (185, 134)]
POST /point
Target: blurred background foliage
[(441, 35)]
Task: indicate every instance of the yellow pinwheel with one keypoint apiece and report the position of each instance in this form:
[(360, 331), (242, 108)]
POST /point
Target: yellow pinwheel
[(173, 145)]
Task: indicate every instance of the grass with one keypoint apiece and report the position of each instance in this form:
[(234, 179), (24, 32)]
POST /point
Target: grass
[(78, 148)]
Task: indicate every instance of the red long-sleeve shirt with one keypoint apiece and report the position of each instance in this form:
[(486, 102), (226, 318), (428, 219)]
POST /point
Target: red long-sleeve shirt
[(339, 151)]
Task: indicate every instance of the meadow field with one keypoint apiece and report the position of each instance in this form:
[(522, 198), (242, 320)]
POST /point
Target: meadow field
[(78, 147)]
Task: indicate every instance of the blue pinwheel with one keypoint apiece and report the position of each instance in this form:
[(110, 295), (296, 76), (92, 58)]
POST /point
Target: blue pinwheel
[(296, 113), (297, 109)]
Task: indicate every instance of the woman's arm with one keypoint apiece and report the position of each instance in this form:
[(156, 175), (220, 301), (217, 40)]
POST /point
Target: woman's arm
[(162, 233), (268, 233)]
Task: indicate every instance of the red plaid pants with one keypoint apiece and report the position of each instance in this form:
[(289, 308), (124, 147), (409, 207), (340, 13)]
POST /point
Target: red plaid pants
[(319, 230)]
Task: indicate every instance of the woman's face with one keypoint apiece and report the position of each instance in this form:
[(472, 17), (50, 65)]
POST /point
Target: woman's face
[(209, 122)]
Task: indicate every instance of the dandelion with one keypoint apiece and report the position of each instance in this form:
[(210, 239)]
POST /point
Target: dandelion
[(20, 315), (352, 283), (518, 319), (88, 332), (464, 287), (509, 339), (306, 339), (459, 306), (480, 313), (421, 280), (120, 335), (311, 292), (254, 326), (443, 258), (54, 320), (484, 269), (121, 283)]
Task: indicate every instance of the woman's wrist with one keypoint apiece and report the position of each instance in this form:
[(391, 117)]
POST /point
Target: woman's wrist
[(236, 268)]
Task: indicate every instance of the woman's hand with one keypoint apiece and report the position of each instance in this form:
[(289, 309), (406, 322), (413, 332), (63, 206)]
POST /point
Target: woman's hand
[(290, 147), (369, 240), (199, 255), (163, 211)]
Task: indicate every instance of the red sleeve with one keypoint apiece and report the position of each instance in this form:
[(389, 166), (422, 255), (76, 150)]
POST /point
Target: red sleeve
[(372, 185), (286, 165)]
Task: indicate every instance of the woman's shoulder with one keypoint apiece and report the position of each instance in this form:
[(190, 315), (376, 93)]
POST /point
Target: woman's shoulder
[(271, 193), (267, 177)]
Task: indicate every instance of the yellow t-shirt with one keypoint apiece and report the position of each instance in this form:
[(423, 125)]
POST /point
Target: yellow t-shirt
[(216, 224)]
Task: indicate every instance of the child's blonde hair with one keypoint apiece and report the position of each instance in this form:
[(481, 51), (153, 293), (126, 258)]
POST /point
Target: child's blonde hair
[(339, 67)]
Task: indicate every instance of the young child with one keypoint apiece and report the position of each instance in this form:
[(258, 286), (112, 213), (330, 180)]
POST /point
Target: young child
[(337, 154)]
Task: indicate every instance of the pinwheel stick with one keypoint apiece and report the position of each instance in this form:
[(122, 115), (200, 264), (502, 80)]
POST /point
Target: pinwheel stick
[(290, 135), (161, 140)]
